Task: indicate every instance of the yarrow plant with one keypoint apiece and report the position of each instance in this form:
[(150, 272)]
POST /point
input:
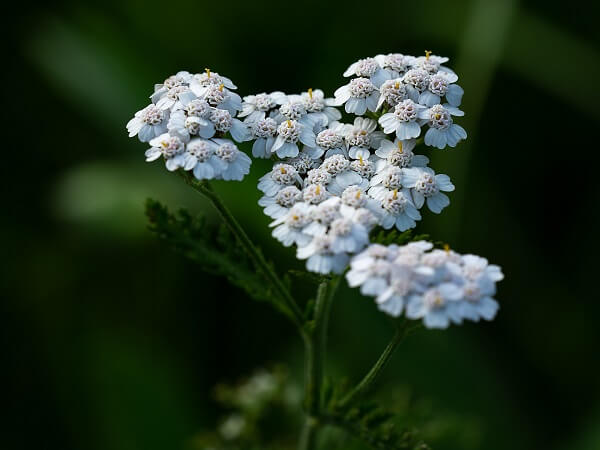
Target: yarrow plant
[(343, 192)]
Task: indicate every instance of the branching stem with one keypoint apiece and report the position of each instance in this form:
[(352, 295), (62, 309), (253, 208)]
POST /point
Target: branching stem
[(315, 349), (366, 384), (292, 308)]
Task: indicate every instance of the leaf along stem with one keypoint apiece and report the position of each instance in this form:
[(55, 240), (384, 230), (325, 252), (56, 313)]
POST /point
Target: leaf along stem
[(204, 188)]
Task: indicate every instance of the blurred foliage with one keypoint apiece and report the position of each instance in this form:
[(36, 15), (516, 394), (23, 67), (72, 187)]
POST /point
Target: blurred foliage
[(113, 342)]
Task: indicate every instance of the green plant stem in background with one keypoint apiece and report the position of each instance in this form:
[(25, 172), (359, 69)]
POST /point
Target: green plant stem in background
[(366, 384), (315, 349), (204, 188)]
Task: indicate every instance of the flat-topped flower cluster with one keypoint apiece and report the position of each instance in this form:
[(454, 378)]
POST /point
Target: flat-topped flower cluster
[(187, 124), (332, 181), (438, 286)]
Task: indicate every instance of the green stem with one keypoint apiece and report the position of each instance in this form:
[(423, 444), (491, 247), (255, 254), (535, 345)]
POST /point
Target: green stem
[(315, 348), (366, 384), (203, 187)]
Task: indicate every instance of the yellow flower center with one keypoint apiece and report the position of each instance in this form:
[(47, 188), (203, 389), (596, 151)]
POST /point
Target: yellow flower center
[(221, 86), (447, 248), (395, 196), (310, 92), (207, 72), (427, 54), (400, 146)]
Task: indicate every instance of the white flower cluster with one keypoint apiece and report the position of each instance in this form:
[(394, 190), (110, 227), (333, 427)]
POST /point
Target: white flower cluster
[(328, 207), (279, 123), (438, 286), (188, 122), (332, 183), (409, 90)]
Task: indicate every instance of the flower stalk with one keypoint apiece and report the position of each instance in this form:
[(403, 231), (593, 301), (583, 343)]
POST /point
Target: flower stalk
[(291, 307), (369, 380), (315, 350)]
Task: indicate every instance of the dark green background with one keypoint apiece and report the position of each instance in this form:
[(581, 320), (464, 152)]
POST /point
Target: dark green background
[(112, 342)]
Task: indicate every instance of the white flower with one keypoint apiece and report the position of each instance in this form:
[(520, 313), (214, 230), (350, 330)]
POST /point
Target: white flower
[(368, 68), (329, 141), (361, 137), (281, 176), (358, 95), (170, 147), (431, 63), (322, 215), (200, 157), (201, 81), (399, 153), (403, 120), (426, 185), (395, 64), (342, 174), (280, 204), (305, 161), (438, 286), (222, 98), (398, 209), (320, 256), (319, 108), (348, 236), (392, 92), (148, 123), (289, 133), (442, 129), (187, 126), (442, 85), (179, 79), (264, 131), (256, 106), (233, 164), (289, 227), (370, 270), (437, 306), (314, 194), (224, 122), (175, 98)]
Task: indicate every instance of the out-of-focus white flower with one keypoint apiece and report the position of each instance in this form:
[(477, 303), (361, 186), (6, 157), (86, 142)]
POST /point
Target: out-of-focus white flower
[(289, 227), (438, 286), (442, 129), (358, 96), (321, 257)]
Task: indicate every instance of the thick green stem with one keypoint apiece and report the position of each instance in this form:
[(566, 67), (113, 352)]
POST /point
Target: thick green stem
[(315, 348), (255, 255), (366, 384)]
